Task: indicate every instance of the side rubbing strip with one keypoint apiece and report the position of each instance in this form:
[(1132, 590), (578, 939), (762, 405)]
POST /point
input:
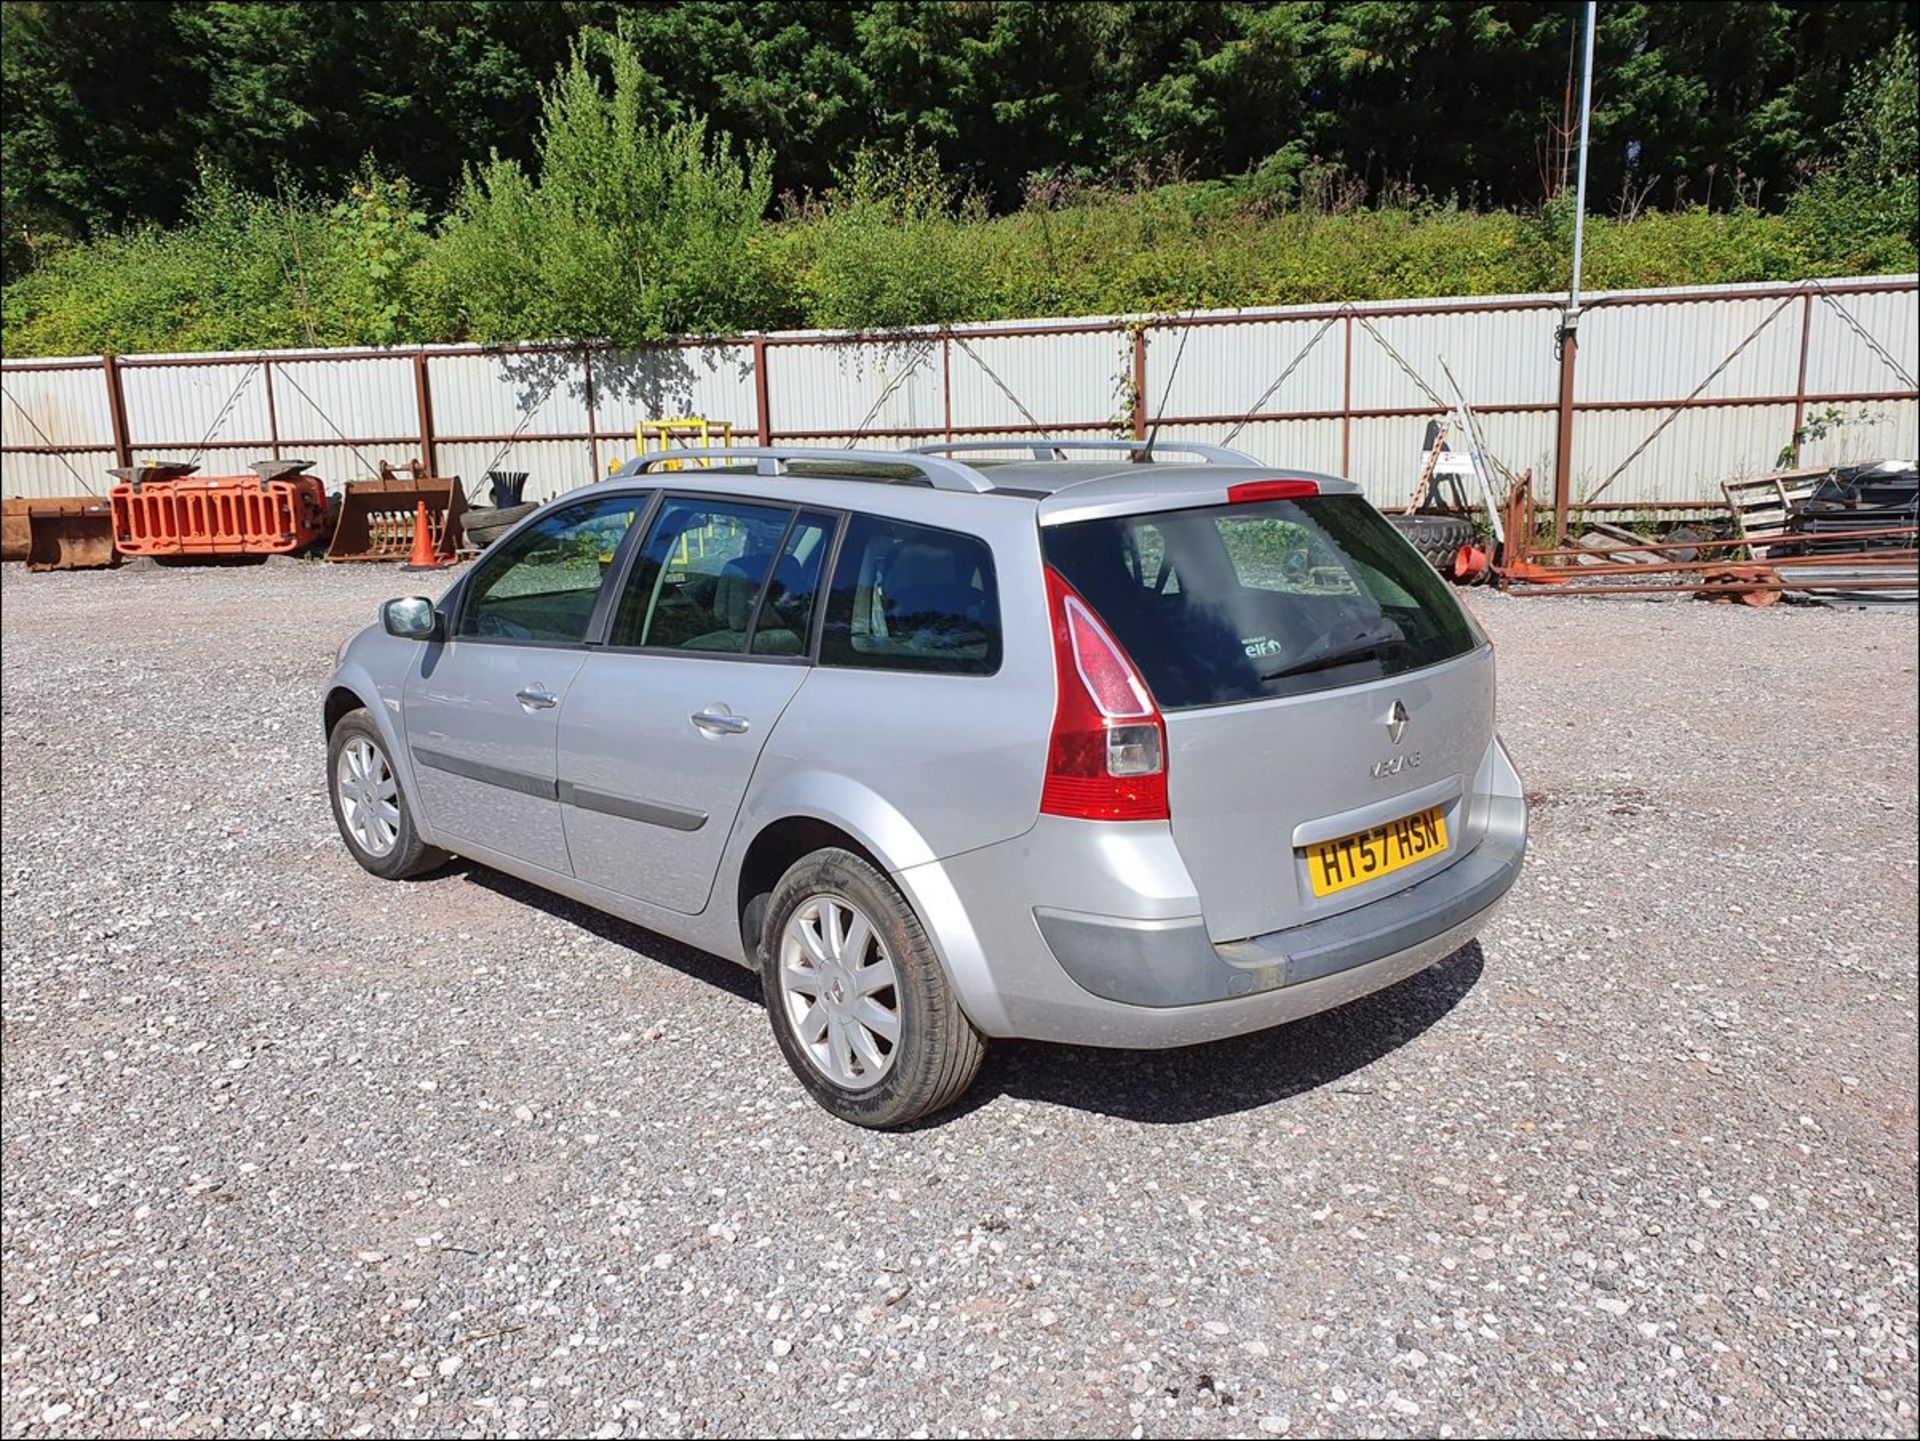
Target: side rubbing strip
[(527, 785), (653, 813)]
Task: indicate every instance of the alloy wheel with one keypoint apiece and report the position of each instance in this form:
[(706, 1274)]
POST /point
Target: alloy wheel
[(840, 991), (369, 796)]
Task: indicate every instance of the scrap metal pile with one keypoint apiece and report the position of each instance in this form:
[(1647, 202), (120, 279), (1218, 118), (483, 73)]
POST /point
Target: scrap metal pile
[(1841, 534)]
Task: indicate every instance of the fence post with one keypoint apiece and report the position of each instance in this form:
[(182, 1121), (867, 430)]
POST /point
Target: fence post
[(1346, 404), (946, 383), (593, 421), (1140, 382), (1563, 448), (423, 395), (273, 420), (762, 420), (1800, 386), (117, 411)]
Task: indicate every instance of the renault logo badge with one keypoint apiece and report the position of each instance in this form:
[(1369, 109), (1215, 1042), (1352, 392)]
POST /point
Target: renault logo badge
[(1396, 722)]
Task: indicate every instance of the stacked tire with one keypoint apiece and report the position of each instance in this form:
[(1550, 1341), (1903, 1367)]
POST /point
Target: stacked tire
[(1438, 538), (483, 525)]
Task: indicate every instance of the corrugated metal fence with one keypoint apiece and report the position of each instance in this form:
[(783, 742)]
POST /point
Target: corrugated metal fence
[(1667, 393)]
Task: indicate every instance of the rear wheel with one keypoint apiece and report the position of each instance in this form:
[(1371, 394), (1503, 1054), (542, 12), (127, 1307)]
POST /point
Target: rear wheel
[(859, 1004), (369, 806)]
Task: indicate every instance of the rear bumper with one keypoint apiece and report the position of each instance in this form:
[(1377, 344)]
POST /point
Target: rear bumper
[(1172, 963), (1154, 979)]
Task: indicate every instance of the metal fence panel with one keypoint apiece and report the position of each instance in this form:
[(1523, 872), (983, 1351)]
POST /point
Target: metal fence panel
[(553, 467), (78, 472), (1227, 369), (1882, 430), (1689, 459), (175, 406), (54, 407), (1069, 380), (1501, 357), (1663, 352), (1839, 360), (1388, 452), (498, 393), (711, 380), (318, 401), (884, 385)]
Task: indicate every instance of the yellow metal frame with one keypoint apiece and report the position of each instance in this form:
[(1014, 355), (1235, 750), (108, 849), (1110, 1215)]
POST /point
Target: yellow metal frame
[(684, 432)]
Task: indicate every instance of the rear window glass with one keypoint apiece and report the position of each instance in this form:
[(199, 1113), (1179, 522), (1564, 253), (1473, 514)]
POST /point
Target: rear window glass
[(907, 597), (1241, 602)]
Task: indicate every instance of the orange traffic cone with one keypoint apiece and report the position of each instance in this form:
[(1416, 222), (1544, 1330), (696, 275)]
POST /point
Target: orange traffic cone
[(423, 557)]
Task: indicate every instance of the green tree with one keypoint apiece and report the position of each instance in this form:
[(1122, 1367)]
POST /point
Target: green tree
[(631, 229), (1864, 200)]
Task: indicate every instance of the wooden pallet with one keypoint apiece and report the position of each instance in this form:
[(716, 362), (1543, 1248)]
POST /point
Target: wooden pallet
[(1760, 506)]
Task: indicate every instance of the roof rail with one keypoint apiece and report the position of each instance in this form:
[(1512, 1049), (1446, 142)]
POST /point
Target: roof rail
[(1048, 448), (774, 460)]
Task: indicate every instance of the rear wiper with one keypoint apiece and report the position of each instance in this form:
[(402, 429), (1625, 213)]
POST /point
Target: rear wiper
[(1363, 647)]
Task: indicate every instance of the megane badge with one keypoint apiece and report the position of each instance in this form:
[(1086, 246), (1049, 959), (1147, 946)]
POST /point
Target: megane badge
[(1396, 722)]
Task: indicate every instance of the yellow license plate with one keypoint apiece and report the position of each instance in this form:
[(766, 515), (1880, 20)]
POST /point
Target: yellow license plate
[(1365, 856)]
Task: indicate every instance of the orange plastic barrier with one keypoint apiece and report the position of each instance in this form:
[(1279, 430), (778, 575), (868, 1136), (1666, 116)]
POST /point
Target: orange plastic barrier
[(167, 510)]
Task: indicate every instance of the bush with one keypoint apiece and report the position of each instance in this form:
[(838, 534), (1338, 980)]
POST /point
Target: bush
[(894, 243)]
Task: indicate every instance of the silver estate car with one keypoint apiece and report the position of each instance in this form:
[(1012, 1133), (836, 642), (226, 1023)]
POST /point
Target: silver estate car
[(1112, 750)]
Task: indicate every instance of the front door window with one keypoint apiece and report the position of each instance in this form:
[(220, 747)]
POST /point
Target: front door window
[(541, 586)]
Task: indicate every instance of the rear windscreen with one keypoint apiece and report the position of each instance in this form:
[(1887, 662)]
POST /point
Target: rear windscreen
[(1242, 602)]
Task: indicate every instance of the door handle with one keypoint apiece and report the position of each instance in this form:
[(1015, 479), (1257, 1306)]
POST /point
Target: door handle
[(717, 720), (536, 697)]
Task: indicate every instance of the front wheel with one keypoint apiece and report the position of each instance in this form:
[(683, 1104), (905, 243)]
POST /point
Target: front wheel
[(859, 1004), (369, 806)]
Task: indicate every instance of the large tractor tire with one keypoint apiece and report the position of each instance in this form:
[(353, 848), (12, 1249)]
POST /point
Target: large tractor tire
[(1436, 537)]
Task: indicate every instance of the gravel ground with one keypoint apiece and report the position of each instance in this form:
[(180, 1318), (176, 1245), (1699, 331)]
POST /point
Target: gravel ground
[(292, 1151)]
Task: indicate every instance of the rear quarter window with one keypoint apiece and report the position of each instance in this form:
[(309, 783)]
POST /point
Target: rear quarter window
[(912, 598)]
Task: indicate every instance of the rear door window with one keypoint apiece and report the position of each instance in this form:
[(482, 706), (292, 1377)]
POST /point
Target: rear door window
[(1240, 602), (698, 578), (909, 597), (784, 624)]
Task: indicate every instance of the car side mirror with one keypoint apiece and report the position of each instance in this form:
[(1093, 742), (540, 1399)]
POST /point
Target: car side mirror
[(411, 618)]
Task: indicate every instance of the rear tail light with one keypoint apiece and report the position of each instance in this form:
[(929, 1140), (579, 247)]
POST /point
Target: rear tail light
[(1271, 490), (1107, 760)]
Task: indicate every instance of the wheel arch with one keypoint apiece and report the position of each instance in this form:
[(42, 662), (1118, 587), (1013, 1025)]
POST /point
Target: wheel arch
[(807, 810), (341, 702), (772, 852)]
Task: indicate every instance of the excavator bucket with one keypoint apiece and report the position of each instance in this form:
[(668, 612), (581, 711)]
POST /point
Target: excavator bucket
[(13, 528), (71, 534), (15, 536), (376, 516)]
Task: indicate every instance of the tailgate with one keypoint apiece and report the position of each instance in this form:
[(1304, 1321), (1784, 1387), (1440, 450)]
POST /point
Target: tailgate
[(1250, 786), (1317, 681)]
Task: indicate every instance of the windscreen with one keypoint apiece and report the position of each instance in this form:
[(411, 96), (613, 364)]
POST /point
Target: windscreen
[(1232, 603)]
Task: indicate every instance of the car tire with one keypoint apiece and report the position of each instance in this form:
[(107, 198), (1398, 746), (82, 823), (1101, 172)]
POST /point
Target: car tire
[(843, 959), (360, 777), (1438, 538)]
